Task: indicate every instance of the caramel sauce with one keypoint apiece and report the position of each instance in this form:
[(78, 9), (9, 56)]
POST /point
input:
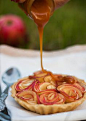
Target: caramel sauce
[(40, 11)]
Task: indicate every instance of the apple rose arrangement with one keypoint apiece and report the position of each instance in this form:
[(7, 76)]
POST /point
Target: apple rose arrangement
[(46, 93)]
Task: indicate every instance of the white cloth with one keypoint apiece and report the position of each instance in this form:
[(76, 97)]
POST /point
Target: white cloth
[(72, 64)]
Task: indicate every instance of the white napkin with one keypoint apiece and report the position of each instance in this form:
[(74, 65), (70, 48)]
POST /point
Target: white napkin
[(72, 64)]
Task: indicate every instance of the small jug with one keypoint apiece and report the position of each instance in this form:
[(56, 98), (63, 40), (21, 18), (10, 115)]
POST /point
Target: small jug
[(54, 4)]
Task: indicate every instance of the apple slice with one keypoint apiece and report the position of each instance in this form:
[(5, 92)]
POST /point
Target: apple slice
[(58, 77), (38, 87), (50, 98), (46, 85), (64, 79), (79, 87), (69, 79), (41, 76), (32, 77), (70, 92), (47, 90), (24, 84), (38, 75), (43, 86), (38, 72), (28, 96), (50, 80)]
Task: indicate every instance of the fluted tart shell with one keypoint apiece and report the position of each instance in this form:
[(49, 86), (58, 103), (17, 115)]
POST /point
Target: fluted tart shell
[(49, 109)]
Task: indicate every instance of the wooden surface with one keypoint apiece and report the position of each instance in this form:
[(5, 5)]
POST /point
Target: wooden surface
[(8, 50)]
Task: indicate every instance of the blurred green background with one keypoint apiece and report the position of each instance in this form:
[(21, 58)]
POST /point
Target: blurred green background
[(66, 27)]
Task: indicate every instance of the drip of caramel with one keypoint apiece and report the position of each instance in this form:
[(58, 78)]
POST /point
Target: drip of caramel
[(40, 11)]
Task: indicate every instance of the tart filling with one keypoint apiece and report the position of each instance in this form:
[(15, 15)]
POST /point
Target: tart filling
[(48, 89)]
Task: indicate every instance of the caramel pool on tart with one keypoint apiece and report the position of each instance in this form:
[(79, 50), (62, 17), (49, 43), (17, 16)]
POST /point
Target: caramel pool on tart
[(48, 93)]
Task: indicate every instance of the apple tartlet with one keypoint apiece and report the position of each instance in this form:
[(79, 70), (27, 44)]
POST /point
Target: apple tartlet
[(48, 93)]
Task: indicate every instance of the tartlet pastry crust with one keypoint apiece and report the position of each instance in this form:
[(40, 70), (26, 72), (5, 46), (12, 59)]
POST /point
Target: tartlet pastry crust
[(49, 109)]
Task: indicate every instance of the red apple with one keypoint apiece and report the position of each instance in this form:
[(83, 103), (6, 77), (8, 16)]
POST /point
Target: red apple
[(12, 30)]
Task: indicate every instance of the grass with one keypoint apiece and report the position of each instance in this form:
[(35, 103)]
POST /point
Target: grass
[(66, 27)]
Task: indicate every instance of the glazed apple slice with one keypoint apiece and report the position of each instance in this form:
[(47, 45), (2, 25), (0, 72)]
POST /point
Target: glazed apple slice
[(24, 84), (38, 87), (58, 77), (79, 87), (69, 79), (46, 85), (28, 96), (70, 92), (47, 90), (44, 76), (52, 97), (38, 75), (50, 80), (41, 76), (38, 72)]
